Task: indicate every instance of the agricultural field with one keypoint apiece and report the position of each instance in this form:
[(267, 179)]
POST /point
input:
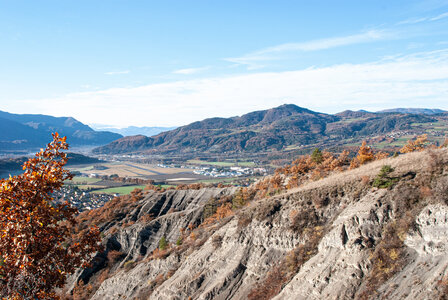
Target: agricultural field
[(99, 186), (83, 180), (129, 169), (122, 190), (222, 163)]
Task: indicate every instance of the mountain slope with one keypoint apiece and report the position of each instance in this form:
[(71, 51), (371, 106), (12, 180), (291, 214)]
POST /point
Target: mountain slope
[(255, 131), (336, 238), (27, 131), (268, 130)]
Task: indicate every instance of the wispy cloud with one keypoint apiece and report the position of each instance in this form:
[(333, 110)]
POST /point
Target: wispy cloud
[(117, 72), (412, 21), (190, 71), (441, 16), (252, 60), (417, 80), (424, 19)]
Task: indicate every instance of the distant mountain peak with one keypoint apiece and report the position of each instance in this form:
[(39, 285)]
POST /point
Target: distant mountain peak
[(354, 114), (292, 108), (417, 111), (133, 130)]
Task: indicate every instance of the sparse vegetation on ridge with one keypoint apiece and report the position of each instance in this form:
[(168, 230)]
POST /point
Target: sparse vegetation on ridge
[(252, 204)]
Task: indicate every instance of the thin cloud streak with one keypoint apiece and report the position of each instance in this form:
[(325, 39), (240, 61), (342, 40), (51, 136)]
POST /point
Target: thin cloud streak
[(273, 53), (190, 71), (117, 72), (424, 19), (441, 16), (403, 81)]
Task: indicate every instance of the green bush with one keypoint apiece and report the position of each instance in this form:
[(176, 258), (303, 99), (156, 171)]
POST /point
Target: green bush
[(129, 265), (317, 156), (209, 208), (238, 200), (162, 243), (383, 180)]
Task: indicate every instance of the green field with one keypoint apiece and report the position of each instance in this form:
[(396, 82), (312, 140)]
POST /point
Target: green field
[(81, 169), (83, 180), (218, 180), (166, 186), (222, 163), (89, 186), (122, 190)]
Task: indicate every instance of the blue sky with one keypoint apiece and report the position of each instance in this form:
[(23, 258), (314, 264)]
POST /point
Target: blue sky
[(168, 63)]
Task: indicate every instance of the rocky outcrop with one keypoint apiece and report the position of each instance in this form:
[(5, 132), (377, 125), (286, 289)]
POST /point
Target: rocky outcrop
[(336, 238)]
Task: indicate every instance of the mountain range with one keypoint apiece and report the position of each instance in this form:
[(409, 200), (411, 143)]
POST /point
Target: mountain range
[(27, 131), (133, 130), (285, 127), (424, 111), (277, 129)]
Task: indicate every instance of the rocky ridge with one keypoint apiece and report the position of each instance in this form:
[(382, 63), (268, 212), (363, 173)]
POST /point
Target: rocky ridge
[(335, 238)]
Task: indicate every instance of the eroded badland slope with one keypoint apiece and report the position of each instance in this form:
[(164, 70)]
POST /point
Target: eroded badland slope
[(335, 238)]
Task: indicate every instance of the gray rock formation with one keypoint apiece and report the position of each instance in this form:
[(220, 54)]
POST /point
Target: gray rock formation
[(336, 238)]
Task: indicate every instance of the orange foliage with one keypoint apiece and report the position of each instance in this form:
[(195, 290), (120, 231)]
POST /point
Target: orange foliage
[(365, 155), (36, 250), (82, 291), (113, 256), (305, 168), (381, 155), (193, 186), (160, 254), (445, 144), (417, 145), (146, 218), (222, 212), (110, 210), (271, 286)]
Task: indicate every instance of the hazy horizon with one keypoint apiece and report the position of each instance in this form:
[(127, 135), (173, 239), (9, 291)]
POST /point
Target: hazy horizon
[(165, 64)]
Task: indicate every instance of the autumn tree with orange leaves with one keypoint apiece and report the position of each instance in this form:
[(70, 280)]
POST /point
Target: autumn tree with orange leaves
[(37, 248), (365, 155), (415, 145)]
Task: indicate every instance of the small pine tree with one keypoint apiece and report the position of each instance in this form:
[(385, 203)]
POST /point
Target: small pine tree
[(317, 156), (383, 180), (238, 200), (209, 208), (162, 243)]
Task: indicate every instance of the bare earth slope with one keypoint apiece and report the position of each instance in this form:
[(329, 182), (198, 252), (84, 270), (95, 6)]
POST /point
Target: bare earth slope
[(337, 238)]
